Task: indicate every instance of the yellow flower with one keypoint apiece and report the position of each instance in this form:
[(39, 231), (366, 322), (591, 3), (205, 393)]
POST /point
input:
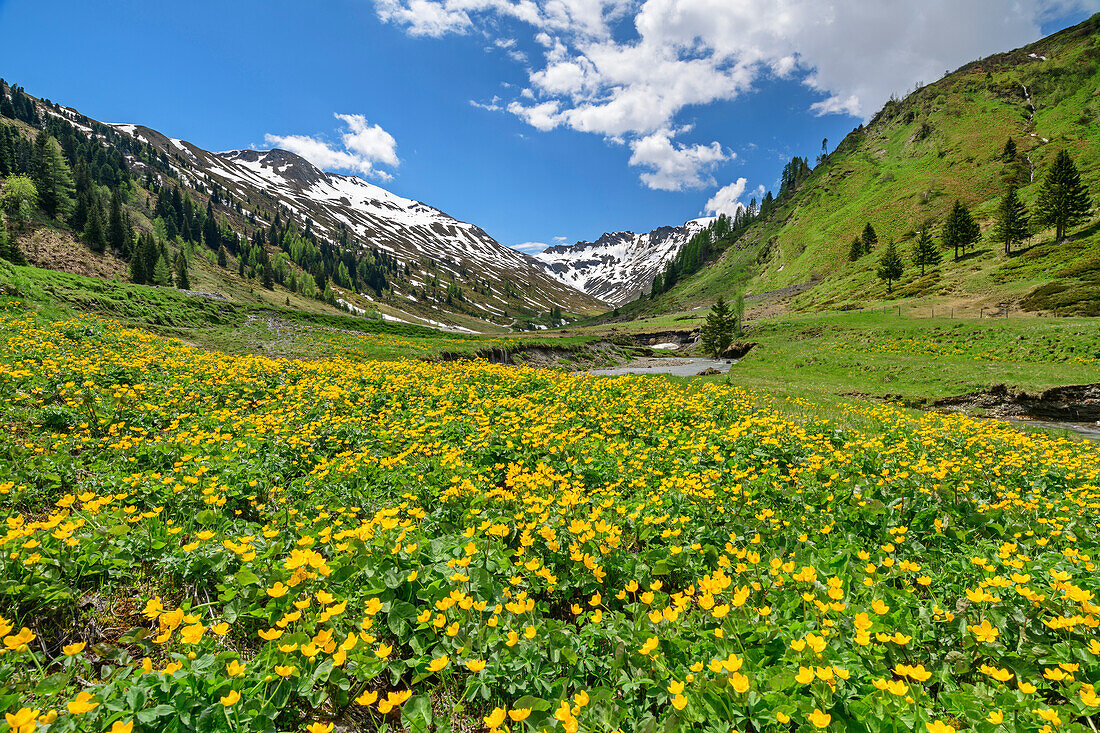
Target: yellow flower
[(518, 715), (122, 727), (438, 663), (739, 682), (285, 670), (939, 726), (367, 698), (83, 703), (192, 634), (819, 719), (996, 717), (19, 642), (234, 668), (805, 675), (475, 665), (71, 650), (231, 698), (496, 718), (22, 721), (278, 590), (984, 632), (270, 634), (320, 727), (782, 718), (679, 702), (383, 651)]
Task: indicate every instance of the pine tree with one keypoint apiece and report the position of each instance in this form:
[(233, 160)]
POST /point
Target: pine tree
[(116, 226), (717, 332), (856, 250), (210, 233), (95, 234), (1012, 226), (223, 258), (137, 268), (926, 253), (890, 266), (1008, 155), (52, 176), (960, 230), (162, 274), (870, 239), (1063, 199), (182, 281), (7, 151)]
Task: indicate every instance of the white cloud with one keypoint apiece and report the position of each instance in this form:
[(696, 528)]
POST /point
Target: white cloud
[(726, 200), (363, 147), (630, 86), (674, 167), (530, 247)]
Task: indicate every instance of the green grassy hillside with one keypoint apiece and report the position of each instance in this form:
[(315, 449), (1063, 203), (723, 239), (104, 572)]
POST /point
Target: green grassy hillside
[(908, 165)]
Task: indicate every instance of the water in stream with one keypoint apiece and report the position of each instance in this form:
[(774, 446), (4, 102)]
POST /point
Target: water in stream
[(677, 367)]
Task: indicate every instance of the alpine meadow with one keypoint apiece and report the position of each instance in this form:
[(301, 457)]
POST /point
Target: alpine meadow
[(285, 449)]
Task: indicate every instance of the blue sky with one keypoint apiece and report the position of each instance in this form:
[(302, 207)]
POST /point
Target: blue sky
[(539, 120)]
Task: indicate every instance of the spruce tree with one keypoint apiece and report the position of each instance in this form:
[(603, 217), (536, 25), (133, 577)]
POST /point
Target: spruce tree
[(223, 258), (1063, 199), (162, 274), (890, 266), (137, 268), (7, 151), (870, 239), (1008, 154), (960, 230), (116, 225), (52, 176), (1011, 227), (183, 282), (926, 253), (95, 234), (717, 332), (856, 250)]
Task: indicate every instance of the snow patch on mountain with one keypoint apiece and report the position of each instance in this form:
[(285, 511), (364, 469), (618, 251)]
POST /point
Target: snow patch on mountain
[(619, 265)]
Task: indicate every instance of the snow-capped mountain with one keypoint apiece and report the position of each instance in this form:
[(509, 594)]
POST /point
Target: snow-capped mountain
[(498, 283), (619, 265)]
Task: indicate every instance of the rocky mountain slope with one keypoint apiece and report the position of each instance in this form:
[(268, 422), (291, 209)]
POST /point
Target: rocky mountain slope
[(905, 169), (410, 231), (618, 266), (283, 225)]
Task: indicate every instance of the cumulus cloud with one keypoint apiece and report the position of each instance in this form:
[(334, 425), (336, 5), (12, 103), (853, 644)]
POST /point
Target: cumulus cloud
[(627, 69), (675, 167), (363, 147), (727, 200), (530, 248)]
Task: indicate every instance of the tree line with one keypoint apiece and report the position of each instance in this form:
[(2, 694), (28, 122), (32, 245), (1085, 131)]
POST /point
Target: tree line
[(1063, 202)]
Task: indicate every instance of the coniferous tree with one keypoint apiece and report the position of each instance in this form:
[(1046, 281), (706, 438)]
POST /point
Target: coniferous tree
[(926, 253), (95, 234), (1012, 220), (116, 225), (162, 274), (210, 233), (890, 266), (223, 258), (183, 282), (717, 332), (7, 151), (52, 177), (137, 268), (1063, 199), (960, 230), (869, 239), (1008, 154), (856, 250)]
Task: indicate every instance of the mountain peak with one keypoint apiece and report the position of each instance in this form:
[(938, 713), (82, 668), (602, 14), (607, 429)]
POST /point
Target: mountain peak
[(286, 164)]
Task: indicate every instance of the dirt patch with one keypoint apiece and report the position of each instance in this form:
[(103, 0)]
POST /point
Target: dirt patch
[(56, 250), (1072, 403), (574, 358)]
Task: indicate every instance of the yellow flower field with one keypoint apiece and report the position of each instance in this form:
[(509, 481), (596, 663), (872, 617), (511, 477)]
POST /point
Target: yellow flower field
[(194, 541)]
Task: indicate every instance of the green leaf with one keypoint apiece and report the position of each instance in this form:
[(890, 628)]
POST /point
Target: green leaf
[(417, 714), (160, 711)]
